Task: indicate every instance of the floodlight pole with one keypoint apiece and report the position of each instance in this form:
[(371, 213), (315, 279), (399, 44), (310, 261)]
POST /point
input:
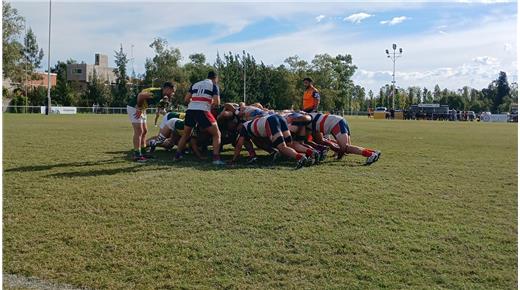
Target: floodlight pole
[(394, 56), (49, 65)]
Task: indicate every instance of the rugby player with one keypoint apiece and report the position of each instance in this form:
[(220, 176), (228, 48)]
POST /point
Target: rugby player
[(297, 126), (136, 110), (202, 97), (170, 131), (325, 124), (311, 96), (273, 127)]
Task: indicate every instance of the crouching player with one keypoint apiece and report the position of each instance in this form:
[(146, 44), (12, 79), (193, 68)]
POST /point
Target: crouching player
[(325, 124), (297, 126), (273, 127), (170, 131)]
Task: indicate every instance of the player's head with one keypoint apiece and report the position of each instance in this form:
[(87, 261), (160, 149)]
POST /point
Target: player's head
[(307, 82), (168, 89), (212, 75)]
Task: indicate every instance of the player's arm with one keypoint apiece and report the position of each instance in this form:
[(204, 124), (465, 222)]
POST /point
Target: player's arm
[(216, 96), (238, 148), (195, 147), (141, 98), (187, 98), (316, 98)]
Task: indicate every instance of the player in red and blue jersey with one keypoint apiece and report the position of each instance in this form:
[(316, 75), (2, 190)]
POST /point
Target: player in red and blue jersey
[(326, 124), (273, 127), (297, 126)]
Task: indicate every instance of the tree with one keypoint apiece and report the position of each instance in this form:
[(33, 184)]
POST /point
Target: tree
[(198, 58), (11, 47), (63, 93), (502, 91), (164, 66), (121, 91), (97, 92), (32, 54), (437, 94), (372, 103)]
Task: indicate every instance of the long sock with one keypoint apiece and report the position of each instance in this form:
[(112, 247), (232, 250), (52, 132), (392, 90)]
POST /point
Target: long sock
[(160, 139), (308, 152), (251, 153), (216, 157), (366, 152), (299, 156), (137, 152)]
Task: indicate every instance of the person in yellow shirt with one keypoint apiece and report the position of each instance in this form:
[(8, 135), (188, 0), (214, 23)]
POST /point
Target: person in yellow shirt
[(311, 96)]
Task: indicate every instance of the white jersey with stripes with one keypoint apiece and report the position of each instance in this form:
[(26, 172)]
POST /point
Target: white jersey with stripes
[(202, 95), (323, 123)]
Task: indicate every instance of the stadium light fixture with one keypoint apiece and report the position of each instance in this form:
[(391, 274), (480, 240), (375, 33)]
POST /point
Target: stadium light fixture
[(394, 56)]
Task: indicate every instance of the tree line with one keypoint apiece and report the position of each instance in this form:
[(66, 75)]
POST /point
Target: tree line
[(277, 87)]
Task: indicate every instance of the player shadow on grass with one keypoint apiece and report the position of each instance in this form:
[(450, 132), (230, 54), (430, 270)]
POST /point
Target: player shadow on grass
[(163, 161), (60, 165)]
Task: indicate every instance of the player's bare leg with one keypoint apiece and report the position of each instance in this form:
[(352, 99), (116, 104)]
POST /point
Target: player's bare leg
[(344, 143), (138, 133), (182, 142), (215, 135)]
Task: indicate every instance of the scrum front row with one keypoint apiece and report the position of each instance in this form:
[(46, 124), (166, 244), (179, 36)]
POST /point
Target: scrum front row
[(302, 137)]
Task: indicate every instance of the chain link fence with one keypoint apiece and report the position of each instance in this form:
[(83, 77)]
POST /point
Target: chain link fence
[(122, 110)]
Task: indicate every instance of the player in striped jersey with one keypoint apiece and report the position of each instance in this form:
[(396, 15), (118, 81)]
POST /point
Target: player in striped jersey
[(297, 122), (325, 124), (202, 97), (248, 113), (273, 127)]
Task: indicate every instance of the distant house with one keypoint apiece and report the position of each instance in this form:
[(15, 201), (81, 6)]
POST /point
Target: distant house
[(82, 72), (40, 79)]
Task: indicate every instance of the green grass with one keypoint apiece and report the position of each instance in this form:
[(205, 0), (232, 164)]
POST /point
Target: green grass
[(439, 210)]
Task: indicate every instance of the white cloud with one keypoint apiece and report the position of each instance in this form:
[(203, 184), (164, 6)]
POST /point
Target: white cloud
[(395, 20), (508, 47), (485, 60), (319, 18), (484, 1), (357, 17)]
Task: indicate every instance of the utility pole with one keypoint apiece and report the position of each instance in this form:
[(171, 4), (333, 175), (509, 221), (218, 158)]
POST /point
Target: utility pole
[(132, 60), (49, 65), (393, 56), (244, 64), (26, 63)]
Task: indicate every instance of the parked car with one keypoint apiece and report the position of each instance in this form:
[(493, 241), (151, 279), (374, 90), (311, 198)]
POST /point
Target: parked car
[(471, 116)]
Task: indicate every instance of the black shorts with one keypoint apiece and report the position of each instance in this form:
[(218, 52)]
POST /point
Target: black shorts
[(277, 124), (198, 117)]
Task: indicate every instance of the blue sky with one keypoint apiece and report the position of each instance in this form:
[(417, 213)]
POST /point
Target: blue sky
[(449, 43)]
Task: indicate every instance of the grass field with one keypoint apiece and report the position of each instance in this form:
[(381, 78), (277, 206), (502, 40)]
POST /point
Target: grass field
[(439, 210)]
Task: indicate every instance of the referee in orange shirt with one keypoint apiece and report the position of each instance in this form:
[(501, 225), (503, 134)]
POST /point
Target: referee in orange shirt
[(311, 96)]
